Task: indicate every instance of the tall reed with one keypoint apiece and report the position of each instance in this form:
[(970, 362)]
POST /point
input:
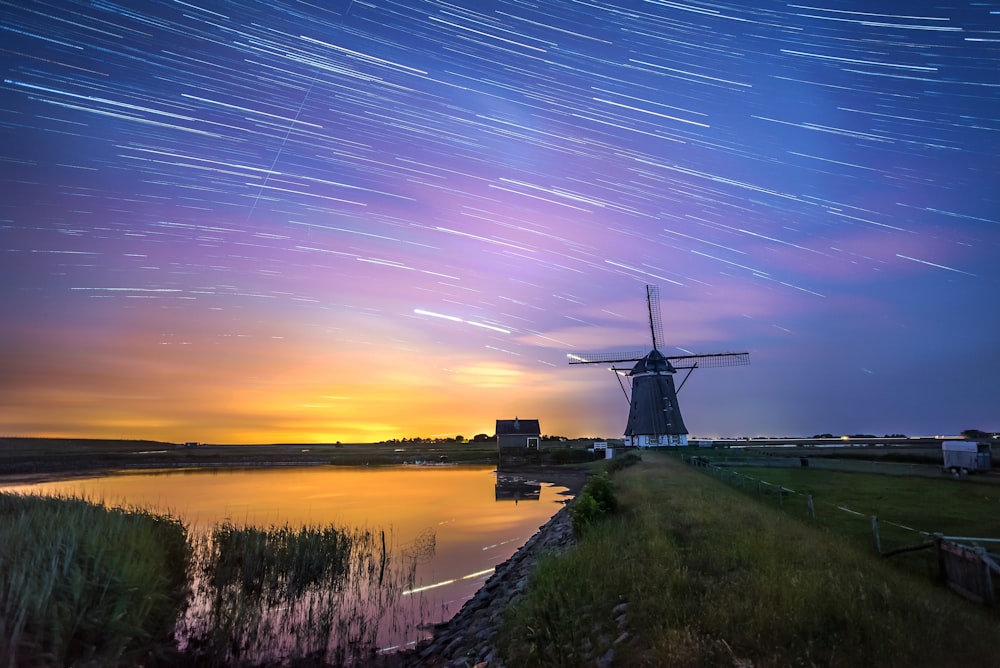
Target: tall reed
[(82, 584), (277, 594)]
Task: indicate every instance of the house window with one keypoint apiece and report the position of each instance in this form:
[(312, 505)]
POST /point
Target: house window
[(532, 443)]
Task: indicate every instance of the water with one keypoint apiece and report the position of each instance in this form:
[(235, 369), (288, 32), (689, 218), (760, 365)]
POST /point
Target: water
[(477, 521)]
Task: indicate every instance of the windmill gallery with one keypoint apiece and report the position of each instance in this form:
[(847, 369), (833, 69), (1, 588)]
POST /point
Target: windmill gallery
[(654, 418)]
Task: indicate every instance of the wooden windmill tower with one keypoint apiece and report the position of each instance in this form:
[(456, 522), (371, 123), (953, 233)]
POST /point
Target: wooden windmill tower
[(654, 417)]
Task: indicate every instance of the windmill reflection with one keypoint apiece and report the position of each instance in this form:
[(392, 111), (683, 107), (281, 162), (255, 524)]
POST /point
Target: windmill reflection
[(515, 488)]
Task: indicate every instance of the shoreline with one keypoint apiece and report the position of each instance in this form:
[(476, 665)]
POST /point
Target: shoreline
[(469, 637), (573, 478)]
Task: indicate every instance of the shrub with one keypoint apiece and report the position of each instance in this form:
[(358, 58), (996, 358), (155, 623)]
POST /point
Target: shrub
[(596, 500)]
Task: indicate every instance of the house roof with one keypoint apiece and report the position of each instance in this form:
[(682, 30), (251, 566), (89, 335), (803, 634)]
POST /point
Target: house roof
[(518, 427)]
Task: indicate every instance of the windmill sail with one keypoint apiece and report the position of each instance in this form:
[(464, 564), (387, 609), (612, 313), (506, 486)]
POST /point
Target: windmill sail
[(654, 417)]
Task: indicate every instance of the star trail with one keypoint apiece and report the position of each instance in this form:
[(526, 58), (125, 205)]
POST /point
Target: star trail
[(292, 221)]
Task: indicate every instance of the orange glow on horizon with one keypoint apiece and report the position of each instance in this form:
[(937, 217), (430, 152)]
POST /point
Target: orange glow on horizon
[(260, 389)]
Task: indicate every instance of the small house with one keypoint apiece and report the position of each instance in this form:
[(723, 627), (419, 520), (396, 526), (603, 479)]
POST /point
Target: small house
[(518, 434)]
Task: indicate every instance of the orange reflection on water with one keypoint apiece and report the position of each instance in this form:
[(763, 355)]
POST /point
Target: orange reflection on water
[(473, 531)]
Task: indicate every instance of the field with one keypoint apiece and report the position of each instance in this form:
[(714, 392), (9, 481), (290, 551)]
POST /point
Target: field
[(26, 459), (917, 495)]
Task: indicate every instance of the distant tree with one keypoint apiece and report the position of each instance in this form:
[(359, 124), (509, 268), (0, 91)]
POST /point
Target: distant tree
[(824, 436), (460, 439), (479, 438), (974, 433)]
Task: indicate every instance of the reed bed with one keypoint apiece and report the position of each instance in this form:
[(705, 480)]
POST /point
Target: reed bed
[(322, 594), (86, 585)]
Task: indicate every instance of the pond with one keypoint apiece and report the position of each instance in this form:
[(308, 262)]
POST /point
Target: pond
[(475, 518)]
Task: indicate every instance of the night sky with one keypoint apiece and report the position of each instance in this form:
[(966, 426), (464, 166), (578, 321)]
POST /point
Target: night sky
[(354, 221)]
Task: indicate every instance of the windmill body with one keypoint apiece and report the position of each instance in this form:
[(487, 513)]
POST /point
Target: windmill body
[(654, 417)]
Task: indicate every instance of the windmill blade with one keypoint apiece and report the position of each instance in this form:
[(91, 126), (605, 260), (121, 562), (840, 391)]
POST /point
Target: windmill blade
[(604, 358), (655, 323), (710, 361)]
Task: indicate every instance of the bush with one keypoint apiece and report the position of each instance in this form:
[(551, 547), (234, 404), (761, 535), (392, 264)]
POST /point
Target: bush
[(595, 501)]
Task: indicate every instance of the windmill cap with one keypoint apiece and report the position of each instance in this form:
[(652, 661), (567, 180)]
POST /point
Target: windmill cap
[(654, 362)]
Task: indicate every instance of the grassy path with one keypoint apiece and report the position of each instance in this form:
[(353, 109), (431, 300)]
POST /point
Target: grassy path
[(691, 572)]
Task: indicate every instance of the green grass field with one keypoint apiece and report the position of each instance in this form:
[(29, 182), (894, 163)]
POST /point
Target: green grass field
[(693, 572)]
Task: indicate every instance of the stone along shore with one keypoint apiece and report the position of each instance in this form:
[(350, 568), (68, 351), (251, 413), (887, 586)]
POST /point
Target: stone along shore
[(469, 638)]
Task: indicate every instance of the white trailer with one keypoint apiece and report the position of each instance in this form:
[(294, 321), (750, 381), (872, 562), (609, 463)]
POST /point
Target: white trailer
[(966, 456)]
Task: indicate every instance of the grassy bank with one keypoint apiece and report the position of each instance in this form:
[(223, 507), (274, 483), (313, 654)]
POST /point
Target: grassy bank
[(84, 585), (690, 572)]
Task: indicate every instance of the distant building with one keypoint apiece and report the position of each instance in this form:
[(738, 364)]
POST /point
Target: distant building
[(518, 434)]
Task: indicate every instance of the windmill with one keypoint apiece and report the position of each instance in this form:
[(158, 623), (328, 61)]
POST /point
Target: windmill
[(654, 417)]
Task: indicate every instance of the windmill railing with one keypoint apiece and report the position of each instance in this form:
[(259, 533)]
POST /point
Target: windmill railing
[(605, 358), (710, 361), (707, 361)]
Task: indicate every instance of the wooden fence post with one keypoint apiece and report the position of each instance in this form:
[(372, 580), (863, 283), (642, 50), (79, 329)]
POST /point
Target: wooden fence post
[(878, 541), (989, 593), (781, 497), (812, 507)]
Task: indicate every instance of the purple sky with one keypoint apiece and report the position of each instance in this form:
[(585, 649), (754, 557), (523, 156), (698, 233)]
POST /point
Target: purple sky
[(250, 222)]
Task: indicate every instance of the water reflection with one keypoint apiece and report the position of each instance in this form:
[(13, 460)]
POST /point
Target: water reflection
[(515, 488), (459, 504)]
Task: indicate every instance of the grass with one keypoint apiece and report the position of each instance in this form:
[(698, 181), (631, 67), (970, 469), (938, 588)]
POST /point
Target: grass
[(82, 585), (907, 507), (957, 508), (690, 572)]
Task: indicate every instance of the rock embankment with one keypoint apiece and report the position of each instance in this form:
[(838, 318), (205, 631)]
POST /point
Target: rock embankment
[(469, 638)]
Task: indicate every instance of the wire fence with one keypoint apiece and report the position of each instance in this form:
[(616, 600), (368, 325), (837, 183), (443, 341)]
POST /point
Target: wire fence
[(963, 562)]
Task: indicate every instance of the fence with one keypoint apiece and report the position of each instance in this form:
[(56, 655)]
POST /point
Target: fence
[(963, 564)]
